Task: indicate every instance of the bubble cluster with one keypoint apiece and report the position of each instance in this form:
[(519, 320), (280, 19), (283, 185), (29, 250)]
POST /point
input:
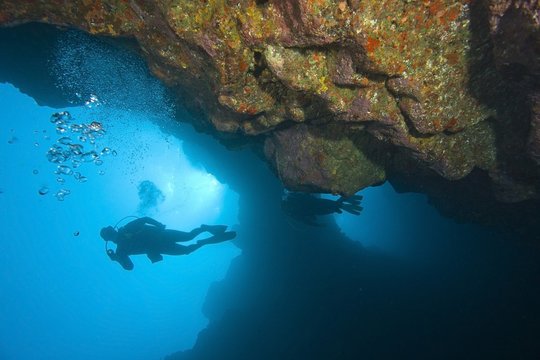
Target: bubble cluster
[(92, 102), (75, 147), (60, 194), (79, 177)]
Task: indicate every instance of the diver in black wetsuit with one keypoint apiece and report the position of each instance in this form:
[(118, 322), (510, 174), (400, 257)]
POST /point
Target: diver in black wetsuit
[(308, 208), (148, 236)]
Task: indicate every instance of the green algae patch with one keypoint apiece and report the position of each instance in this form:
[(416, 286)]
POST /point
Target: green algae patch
[(454, 156), (322, 159), (299, 69)]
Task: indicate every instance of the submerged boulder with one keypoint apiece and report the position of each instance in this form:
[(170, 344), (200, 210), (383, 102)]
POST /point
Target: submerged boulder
[(324, 158), (337, 92)]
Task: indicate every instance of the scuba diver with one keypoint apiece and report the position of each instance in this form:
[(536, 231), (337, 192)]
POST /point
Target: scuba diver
[(148, 236), (308, 208)]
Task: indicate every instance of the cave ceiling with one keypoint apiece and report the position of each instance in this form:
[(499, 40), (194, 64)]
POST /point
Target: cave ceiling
[(342, 95)]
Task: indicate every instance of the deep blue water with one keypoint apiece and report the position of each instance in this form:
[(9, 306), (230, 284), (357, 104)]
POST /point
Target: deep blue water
[(397, 281)]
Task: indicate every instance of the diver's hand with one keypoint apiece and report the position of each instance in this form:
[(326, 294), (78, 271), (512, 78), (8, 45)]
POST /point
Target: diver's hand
[(111, 254)]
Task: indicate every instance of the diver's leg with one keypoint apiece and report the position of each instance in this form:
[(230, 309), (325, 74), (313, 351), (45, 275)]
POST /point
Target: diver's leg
[(177, 249), (214, 229), (218, 238), (180, 236), (182, 249)]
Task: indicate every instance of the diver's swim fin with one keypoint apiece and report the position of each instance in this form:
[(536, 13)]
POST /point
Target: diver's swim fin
[(218, 238), (214, 229), (351, 204), (352, 208)]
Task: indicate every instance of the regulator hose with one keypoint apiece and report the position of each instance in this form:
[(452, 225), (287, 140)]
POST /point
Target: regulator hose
[(124, 218), (116, 228)]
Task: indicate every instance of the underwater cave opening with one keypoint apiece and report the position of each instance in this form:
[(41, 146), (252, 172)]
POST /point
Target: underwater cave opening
[(92, 153)]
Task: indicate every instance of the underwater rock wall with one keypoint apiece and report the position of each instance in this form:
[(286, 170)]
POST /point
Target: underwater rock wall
[(345, 94)]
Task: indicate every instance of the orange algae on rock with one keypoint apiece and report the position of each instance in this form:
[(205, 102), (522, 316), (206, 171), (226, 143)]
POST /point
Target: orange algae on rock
[(397, 71)]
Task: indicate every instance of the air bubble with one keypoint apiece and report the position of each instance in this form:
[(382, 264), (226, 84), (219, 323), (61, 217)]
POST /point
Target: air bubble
[(92, 102), (89, 156), (61, 194), (63, 169), (60, 117), (76, 128), (61, 129), (55, 154), (75, 163), (76, 149), (95, 126), (43, 190), (79, 177), (66, 140)]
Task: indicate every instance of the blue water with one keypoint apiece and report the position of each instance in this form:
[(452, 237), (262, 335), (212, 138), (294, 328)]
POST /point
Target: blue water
[(61, 295), (397, 281)]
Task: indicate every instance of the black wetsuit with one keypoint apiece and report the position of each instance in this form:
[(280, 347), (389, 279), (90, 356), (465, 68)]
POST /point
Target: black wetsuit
[(148, 236)]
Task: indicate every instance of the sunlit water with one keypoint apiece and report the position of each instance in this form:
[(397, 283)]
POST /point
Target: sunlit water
[(53, 264)]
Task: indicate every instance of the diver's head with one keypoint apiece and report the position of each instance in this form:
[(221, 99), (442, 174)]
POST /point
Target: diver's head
[(108, 233)]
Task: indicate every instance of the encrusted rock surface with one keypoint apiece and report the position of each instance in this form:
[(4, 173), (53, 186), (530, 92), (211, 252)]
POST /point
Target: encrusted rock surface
[(338, 91), (315, 158)]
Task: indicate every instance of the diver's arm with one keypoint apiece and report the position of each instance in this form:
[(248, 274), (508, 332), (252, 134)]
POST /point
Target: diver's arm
[(149, 220), (137, 224), (124, 260)]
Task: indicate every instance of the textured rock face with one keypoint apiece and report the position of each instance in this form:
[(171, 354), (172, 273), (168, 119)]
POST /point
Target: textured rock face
[(338, 88), (323, 158), (514, 28)]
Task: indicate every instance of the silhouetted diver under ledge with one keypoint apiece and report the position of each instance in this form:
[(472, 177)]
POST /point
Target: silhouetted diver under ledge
[(148, 236)]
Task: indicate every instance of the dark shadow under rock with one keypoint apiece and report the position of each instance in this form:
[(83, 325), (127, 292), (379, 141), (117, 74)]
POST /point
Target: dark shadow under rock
[(24, 62), (301, 292)]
